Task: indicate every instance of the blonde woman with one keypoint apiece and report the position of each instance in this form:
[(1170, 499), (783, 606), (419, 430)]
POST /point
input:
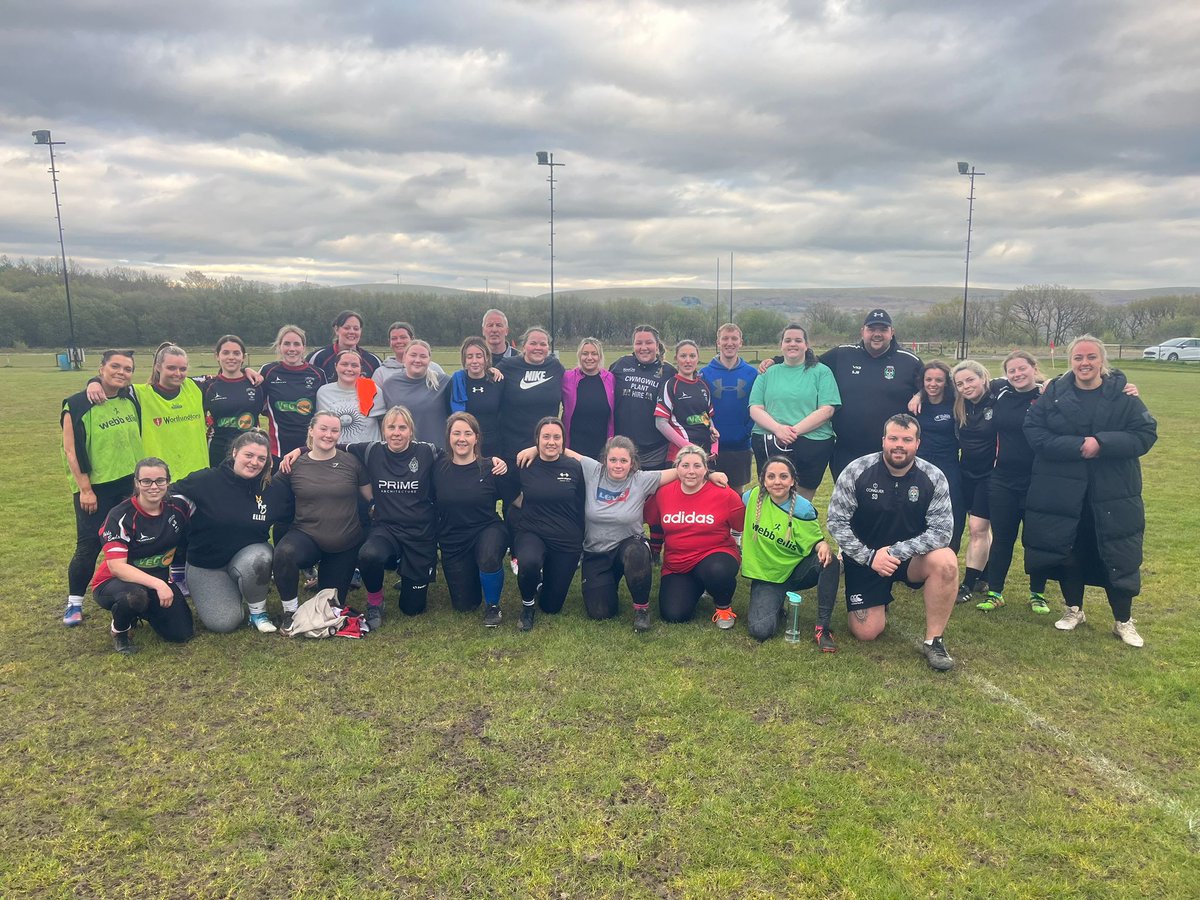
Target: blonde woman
[(587, 400), (422, 391)]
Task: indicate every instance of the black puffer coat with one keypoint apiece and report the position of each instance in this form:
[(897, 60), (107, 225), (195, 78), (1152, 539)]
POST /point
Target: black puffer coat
[(1111, 483)]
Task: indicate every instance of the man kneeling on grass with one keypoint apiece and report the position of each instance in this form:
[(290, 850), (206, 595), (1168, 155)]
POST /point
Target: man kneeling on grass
[(891, 516)]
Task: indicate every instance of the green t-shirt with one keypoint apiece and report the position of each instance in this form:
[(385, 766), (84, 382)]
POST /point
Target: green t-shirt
[(175, 430), (108, 437), (768, 554), (789, 393)]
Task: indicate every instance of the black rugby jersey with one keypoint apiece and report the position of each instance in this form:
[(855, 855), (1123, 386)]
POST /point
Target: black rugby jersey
[(553, 503), (291, 395), (402, 484), (231, 405), (466, 502), (150, 543)]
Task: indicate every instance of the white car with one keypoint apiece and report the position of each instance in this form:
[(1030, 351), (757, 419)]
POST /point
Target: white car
[(1175, 348)]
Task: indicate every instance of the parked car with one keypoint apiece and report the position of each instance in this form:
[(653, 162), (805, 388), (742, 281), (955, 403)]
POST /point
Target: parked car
[(1175, 348)]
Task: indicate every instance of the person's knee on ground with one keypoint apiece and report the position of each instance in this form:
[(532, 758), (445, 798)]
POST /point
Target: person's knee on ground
[(867, 624), (639, 571), (413, 596), (373, 559)]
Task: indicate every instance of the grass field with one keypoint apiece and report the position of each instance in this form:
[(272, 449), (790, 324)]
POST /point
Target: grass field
[(437, 759)]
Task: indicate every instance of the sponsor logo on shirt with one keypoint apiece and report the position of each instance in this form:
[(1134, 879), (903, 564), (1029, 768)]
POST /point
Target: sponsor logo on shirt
[(171, 420), (304, 407), (604, 495), (155, 562), (689, 518), (565, 477), (875, 491), (119, 420), (404, 486), (855, 600), (261, 515)]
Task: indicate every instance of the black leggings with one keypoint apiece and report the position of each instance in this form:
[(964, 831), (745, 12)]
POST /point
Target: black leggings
[(1008, 512), (129, 601), (299, 551), (462, 569), (87, 532), (602, 573), (679, 592), (552, 569)]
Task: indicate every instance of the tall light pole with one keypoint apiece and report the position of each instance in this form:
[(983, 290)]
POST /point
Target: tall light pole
[(967, 169), (545, 158), (43, 137)]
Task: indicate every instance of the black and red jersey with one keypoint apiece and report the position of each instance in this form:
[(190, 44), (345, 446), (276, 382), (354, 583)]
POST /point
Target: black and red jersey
[(687, 404), (150, 543), (323, 358), (231, 406), (291, 396)]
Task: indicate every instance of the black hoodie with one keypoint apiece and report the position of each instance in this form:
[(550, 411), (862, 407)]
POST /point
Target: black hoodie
[(229, 513)]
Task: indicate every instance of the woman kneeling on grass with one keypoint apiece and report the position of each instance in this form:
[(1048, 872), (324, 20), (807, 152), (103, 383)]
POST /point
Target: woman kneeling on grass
[(784, 550), (614, 543), (470, 534), (325, 485), (145, 543), (229, 559), (697, 525)]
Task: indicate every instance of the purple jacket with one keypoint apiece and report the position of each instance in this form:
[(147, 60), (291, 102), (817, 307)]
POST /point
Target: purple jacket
[(571, 386)]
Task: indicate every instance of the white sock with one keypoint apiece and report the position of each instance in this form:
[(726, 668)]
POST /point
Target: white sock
[(291, 605), (258, 609), (74, 600)]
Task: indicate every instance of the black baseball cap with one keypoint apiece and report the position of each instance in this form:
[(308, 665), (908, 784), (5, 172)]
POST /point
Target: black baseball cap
[(877, 317)]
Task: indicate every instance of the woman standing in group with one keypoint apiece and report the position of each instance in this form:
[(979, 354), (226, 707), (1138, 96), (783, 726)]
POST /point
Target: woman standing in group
[(473, 390), (400, 335), (1084, 517), (355, 400), (102, 443), (933, 408), (637, 384), (229, 559), (587, 401), (1009, 482), (695, 524), (347, 333), (973, 415), (420, 390), (145, 542), (470, 535), (684, 411), (784, 550), (533, 385), (791, 405), (325, 485), (232, 403), (291, 392), (548, 536)]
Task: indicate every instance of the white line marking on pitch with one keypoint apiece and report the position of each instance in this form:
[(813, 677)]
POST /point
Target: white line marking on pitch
[(1102, 765)]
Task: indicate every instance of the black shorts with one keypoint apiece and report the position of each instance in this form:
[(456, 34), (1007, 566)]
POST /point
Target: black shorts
[(866, 588), (736, 465), (414, 560), (809, 457), (975, 494)]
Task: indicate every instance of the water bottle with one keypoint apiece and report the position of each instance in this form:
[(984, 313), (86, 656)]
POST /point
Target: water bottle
[(792, 634)]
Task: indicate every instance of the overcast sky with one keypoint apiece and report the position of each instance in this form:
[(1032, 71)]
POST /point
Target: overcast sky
[(346, 141)]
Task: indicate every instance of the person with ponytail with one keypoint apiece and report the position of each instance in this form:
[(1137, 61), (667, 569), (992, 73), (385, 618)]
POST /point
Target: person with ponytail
[(233, 398), (291, 386), (475, 390), (145, 549), (355, 400), (347, 333), (637, 385), (783, 549), (229, 559), (422, 391)]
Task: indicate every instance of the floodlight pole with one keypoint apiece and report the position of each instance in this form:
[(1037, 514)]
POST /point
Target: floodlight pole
[(43, 137), (546, 158), (967, 169)]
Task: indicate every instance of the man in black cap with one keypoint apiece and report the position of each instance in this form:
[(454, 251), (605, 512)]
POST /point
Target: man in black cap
[(876, 379)]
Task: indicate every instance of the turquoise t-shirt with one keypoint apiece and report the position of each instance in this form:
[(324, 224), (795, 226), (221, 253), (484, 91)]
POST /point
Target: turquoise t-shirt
[(789, 393)]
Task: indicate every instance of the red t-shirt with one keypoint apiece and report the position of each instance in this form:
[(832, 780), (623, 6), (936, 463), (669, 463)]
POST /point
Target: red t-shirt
[(694, 526)]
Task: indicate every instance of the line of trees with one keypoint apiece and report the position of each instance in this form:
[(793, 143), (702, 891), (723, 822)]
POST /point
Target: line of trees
[(126, 307)]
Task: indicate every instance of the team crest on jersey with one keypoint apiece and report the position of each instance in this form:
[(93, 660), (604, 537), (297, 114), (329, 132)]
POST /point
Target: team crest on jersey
[(913, 494), (308, 382), (413, 465), (889, 372), (987, 415), (250, 395), (158, 421)]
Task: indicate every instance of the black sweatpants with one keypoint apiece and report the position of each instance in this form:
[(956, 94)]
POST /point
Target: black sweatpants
[(299, 551), (1008, 512), (87, 532), (552, 569), (680, 592), (602, 573), (462, 569), (127, 601)]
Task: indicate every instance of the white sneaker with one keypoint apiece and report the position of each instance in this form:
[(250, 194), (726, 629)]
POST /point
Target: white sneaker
[(1126, 632), (263, 623), (1072, 617)]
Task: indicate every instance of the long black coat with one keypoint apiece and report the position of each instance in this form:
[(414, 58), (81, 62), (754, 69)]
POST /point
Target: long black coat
[(1111, 483)]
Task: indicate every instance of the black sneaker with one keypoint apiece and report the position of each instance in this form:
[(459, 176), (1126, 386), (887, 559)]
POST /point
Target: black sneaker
[(286, 624), (527, 618), (936, 655), (491, 616), (824, 639), (964, 594), (641, 619), (122, 643), (375, 617)]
